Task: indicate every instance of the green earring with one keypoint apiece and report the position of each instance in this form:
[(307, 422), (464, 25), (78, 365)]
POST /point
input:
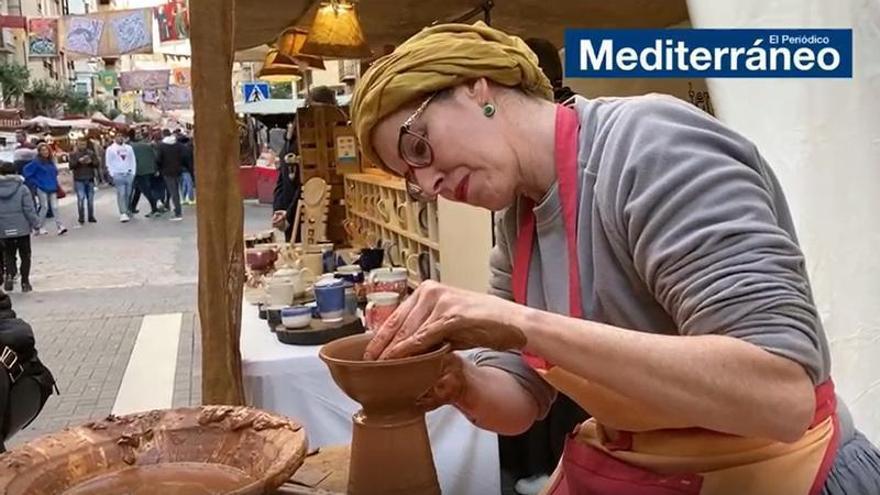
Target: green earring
[(488, 110)]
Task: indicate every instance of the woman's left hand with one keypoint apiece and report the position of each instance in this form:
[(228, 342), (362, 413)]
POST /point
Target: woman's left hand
[(437, 313)]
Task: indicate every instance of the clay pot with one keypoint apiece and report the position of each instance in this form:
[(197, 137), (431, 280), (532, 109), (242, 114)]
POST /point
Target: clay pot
[(389, 434), (260, 259)]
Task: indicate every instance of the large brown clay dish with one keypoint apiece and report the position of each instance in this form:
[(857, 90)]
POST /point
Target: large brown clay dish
[(262, 449)]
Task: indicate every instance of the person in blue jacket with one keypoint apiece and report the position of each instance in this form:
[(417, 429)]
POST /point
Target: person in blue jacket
[(41, 175)]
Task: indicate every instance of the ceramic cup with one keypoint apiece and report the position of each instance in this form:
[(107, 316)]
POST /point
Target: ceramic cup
[(371, 258), (330, 296), (296, 316), (424, 266), (299, 277), (281, 292), (385, 206), (394, 254), (314, 262), (380, 305), (351, 299), (402, 215), (412, 266), (387, 280), (423, 219)]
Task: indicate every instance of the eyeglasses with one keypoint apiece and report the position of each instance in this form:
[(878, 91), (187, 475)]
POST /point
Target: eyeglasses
[(415, 150)]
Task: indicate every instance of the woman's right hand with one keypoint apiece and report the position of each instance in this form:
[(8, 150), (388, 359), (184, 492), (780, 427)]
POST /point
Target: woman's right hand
[(279, 218)]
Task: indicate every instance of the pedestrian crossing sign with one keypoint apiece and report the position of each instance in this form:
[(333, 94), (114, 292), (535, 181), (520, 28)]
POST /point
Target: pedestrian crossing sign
[(256, 91)]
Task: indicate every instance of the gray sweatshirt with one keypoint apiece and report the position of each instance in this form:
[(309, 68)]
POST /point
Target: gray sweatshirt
[(17, 214), (682, 229)]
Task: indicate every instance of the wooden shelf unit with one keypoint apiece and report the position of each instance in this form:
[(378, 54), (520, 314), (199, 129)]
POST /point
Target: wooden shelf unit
[(381, 211)]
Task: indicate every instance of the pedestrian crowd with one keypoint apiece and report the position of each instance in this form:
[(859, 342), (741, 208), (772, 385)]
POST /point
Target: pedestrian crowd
[(158, 167)]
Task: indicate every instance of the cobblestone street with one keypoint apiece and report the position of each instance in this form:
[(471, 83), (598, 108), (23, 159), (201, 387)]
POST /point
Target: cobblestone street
[(93, 289)]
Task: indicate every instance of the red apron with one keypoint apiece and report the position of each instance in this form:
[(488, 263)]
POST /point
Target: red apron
[(656, 460)]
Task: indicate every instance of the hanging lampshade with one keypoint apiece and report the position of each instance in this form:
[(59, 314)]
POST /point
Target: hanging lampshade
[(336, 32), (279, 68), (290, 44)]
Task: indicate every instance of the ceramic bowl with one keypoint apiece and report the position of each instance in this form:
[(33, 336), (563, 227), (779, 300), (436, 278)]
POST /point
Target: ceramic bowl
[(296, 316)]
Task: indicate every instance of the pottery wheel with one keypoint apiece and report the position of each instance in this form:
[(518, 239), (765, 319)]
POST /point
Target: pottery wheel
[(319, 332)]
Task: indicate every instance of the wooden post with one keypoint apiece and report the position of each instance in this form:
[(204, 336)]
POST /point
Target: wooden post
[(220, 214)]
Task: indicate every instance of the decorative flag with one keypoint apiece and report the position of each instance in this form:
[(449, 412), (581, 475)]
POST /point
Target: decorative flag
[(108, 79), (108, 34), (127, 102), (42, 37), (173, 20), (139, 80), (180, 76)]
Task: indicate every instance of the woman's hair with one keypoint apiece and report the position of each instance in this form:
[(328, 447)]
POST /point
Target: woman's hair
[(41, 147), (548, 59), (7, 168)]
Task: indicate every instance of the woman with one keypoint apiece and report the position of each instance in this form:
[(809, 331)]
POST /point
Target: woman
[(41, 175), (646, 265)]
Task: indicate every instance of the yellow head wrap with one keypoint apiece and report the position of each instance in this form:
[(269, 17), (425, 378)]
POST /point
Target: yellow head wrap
[(437, 58)]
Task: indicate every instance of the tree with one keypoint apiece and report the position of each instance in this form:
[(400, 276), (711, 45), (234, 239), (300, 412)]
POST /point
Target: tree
[(47, 96), (75, 102), (281, 90), (14, 80)]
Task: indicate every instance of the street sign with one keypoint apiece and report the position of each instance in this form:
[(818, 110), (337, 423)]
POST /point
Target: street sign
[(255, 91)]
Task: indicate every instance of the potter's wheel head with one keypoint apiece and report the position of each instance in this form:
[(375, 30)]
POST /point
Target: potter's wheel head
[(380, 386)]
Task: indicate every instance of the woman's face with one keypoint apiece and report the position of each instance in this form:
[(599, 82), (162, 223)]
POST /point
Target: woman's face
[(473, 160), (44, 151)]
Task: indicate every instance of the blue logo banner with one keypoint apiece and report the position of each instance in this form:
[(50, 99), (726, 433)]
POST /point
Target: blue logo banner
[(622, 53)]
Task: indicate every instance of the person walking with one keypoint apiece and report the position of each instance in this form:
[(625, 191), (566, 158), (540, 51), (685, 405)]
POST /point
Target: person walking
[(18, 218), (85, 167), (146, 168), (24, 153), (41, 175), (121, 165), (171, 166), (187, 177)]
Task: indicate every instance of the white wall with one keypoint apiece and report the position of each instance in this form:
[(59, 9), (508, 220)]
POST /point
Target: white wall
[(822, 138)]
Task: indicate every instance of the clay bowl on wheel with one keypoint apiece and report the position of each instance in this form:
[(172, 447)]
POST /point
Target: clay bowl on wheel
[(381, 387), (193, 451)]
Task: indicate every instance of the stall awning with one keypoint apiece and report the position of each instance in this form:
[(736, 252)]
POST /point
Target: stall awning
[(57, 123), (279, 106), (390, 22)]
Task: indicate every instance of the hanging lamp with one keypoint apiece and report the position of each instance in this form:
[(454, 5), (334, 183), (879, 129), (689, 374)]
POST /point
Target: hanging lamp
[(336, 32), (279, 68), (289, 44)]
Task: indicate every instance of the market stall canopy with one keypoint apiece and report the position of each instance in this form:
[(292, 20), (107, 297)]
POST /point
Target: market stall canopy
[(47, 122), (258, 22), (279, 106)]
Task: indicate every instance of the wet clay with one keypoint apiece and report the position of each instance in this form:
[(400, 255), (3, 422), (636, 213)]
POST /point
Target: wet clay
[(183, 478), (390, 449)]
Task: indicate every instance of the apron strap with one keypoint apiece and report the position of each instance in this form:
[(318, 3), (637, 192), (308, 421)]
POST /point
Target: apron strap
[(566, 147)]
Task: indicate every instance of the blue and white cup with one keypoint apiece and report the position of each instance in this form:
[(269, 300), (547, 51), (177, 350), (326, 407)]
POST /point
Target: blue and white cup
[(330, 296), (296, 316)]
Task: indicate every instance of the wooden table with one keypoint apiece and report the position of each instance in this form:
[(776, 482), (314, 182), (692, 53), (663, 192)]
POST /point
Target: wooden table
[(323, 473)]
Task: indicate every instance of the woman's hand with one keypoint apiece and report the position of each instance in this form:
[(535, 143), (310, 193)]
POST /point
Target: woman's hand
[(279, 219), (437, 313)]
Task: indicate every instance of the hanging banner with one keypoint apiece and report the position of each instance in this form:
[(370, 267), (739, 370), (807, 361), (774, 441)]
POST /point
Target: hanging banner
[(13, 21), (42, 37), (181, 76), (127, 102), (173, 20), (83, 34), (108, 34), (108, 79), (150, 96), (176, 98), (139, 80)]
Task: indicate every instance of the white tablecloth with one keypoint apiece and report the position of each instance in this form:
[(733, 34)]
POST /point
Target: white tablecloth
[(293, 381)]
